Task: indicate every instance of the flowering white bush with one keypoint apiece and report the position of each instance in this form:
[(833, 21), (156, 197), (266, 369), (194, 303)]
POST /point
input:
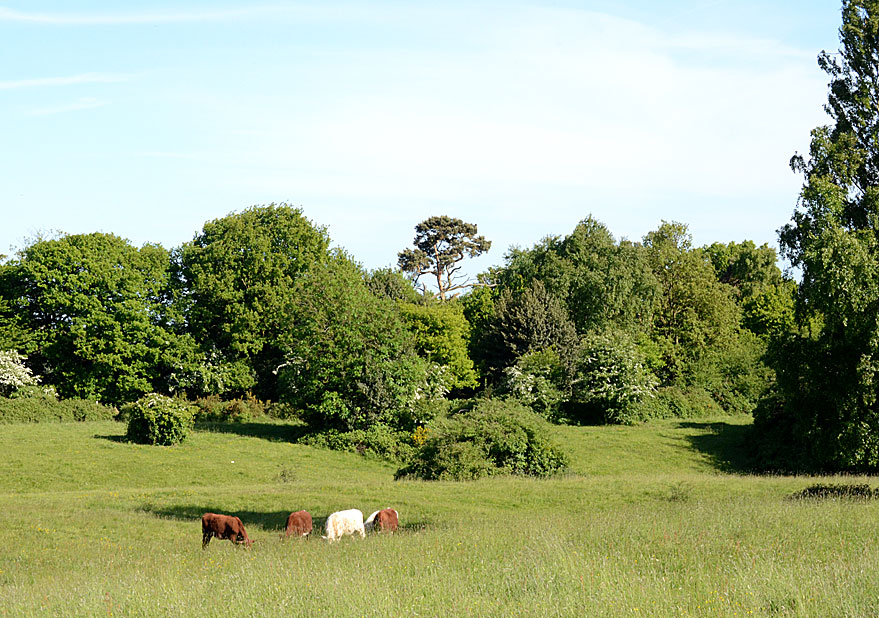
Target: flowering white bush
[(538, 380), (612, 378), (13, 373)]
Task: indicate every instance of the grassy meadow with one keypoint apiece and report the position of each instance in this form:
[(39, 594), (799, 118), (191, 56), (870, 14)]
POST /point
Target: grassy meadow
[(651, 520)]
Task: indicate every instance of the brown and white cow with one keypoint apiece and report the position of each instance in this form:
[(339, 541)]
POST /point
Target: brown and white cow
[(385, 520), (224, 527), (299, 524)]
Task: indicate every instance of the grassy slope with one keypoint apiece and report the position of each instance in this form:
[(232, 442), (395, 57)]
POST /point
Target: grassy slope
[(650, 521)]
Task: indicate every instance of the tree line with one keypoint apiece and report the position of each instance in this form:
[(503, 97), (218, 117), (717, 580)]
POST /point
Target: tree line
[(581, 328)]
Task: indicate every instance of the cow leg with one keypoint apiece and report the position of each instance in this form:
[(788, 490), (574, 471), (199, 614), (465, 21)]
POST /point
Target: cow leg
[(205, 539)]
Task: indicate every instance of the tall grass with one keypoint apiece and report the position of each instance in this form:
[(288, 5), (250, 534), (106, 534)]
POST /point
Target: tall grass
[(647, 524)]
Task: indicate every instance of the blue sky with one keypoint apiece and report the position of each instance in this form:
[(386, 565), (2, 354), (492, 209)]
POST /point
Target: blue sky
[(146, 119)]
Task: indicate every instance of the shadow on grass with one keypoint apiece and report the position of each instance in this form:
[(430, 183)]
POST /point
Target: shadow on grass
[(276, 432), (725, 445), (116, 438), (270, 521)]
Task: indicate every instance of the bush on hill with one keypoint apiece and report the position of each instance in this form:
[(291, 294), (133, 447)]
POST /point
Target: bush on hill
[(493, 437), (378, 440), (611, 379), (156, 419), (540, 380)]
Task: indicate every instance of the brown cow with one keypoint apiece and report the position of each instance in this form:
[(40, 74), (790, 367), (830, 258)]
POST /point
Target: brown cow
[(224, 527), (385, 520), (299, 524)]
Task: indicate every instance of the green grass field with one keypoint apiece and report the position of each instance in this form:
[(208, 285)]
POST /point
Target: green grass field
[(651, 520)]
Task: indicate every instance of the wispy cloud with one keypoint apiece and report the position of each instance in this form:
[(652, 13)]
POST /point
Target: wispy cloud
[(70, 80), (75, 106), (84, 19)]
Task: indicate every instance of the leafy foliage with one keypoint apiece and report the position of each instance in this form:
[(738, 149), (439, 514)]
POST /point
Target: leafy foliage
[(611, 379), (215, 410), (745, 266), (157, 419), (236, 281), (40, 405), (378, 440), (94, 305), (825, 408), (772, 311), (442, 335), (765, 296), (541, 381), (600, 282), (350, 361), (441, 243), (695, 313), (494, 437), (678, 402), (392, 284), (523, 322), (735, 375)]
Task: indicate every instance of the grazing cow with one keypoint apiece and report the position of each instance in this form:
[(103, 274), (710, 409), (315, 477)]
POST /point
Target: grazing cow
[(299, 524), (223, 527), (341, 523), (387, 520)]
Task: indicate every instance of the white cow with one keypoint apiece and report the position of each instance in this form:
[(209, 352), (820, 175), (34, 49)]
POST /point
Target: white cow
[(341, 523)]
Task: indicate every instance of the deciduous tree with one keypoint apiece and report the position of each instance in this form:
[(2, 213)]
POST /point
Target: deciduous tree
[(601, 282), (349, 361), (236, 284), (95, 307), (826, 406)]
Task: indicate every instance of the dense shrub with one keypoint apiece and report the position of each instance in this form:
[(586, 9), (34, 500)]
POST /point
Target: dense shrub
[(96, 308), (493, 437), (522, 322), (611, 379), (283, 411), (378, 440), (539, 380), (214, 410), (156, 419), (442, 335), (735, 375), (676, 402), (833, 491), (236, 288), (40, 405)]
